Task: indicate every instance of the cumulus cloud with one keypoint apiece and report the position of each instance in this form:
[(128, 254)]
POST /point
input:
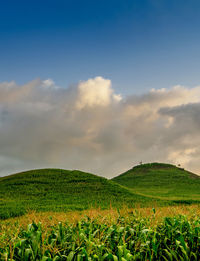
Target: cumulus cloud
[(90, 127), (95, 92)]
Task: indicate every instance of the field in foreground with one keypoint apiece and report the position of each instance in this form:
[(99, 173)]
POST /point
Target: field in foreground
[(167, 233)]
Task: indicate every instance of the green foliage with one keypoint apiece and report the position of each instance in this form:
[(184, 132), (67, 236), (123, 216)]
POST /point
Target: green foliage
[(56, 190), (162, 181), (132, 238), (62, 190), (9, 210)]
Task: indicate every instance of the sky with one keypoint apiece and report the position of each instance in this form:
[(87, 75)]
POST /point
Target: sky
[(99, 85), (139, 44)]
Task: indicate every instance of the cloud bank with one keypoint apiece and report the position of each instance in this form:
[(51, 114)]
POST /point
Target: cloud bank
[(90, 127)]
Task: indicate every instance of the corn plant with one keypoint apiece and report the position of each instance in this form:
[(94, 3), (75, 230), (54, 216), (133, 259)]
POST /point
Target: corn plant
[(133, 238)]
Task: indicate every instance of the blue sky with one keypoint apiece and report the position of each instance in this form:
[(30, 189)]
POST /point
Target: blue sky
[(138, 44)]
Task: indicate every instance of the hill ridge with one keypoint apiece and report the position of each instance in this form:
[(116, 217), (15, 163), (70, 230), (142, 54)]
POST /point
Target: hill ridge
[(62, 190), (156, 165), (161, 180)]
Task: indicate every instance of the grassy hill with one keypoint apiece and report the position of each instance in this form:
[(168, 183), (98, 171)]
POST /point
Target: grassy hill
[(61, 190), (164, 181)]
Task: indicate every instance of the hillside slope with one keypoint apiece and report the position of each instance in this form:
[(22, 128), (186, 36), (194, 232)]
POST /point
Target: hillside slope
[(162, 180), (61, 190)]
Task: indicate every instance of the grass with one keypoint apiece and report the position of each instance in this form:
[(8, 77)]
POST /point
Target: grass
[(129, 234), (56, 215), (62, 190), (162, 181)]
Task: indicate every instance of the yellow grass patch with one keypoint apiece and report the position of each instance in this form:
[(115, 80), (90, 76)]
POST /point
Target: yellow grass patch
[(109, 216)]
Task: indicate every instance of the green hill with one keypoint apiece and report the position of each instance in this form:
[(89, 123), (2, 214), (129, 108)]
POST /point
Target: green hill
[(163, 181), (61, 190)]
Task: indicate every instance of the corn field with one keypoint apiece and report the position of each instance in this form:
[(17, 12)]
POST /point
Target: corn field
[(127, 238)]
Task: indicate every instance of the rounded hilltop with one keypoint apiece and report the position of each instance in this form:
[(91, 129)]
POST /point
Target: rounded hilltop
[(162, 180), (155, 165), (62, 190)]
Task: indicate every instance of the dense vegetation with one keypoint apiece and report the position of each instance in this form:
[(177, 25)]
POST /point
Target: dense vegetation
[(123, 236), (131, 237), (163, 181), (61, 190)]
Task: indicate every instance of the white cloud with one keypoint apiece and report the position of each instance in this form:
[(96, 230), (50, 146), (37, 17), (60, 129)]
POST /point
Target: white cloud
[(92, 128), (48, 83), (95, 92)]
